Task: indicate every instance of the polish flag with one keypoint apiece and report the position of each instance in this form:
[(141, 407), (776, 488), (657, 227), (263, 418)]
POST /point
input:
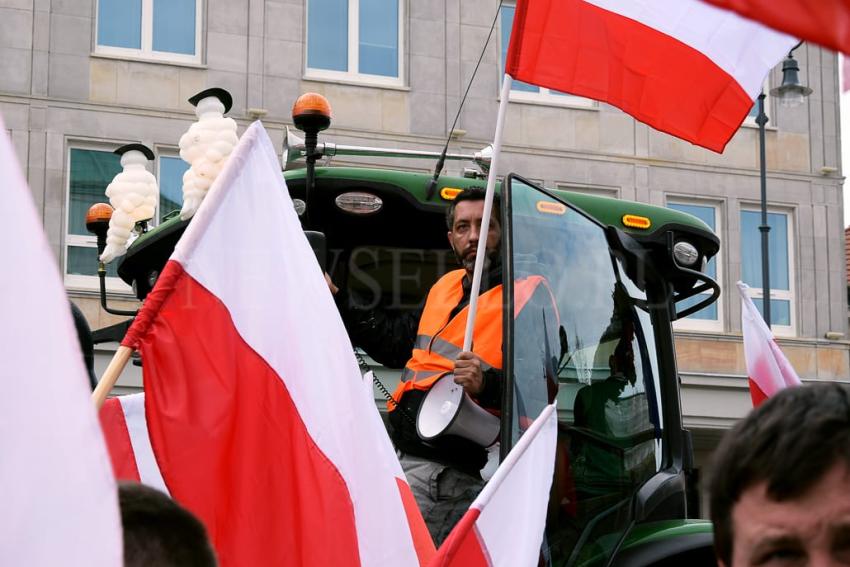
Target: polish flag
[(126, 432), (254, 401), (768, 369), (504, 526), (825, 22), (681, 66), (58, 495)]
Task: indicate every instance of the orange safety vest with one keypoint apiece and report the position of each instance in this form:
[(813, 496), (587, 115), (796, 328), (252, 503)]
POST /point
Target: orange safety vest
[(439, 340)]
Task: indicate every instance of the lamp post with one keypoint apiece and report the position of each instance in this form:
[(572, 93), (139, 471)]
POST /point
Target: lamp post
[(790, 93)]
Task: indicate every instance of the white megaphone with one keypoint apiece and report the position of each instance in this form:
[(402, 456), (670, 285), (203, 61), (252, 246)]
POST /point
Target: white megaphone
[(446, 409)]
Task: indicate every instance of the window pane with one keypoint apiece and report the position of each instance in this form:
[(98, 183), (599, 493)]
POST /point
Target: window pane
[(82, 260), (706, 214), (754, 110), (379, 37), (507, 22), (174, 26), (171, 170), (91, 172), (327, 34), (780, 310), (119, 23), (705, 314), (777, 247)]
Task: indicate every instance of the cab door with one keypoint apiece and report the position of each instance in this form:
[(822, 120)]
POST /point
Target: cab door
[(578, 331)]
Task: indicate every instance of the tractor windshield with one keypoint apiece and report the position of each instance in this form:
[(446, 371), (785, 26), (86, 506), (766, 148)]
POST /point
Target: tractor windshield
[(581, 336)]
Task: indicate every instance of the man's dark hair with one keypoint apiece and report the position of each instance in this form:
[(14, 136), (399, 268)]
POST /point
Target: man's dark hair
[(86, 342), (158, 531), (789, 442), (472, 194)]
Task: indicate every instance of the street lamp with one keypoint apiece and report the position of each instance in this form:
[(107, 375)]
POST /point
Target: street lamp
[(790, 94)]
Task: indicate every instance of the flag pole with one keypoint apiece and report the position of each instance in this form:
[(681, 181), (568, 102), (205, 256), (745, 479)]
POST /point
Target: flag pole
[(488, 207), (110, 375)]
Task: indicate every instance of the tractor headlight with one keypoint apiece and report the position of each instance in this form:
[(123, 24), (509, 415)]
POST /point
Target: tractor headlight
[(685, 254), (359, 203)]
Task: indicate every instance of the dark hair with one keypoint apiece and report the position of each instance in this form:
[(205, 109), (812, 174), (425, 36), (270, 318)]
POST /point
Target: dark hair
[(789, 442), (86, 342), (158, 531), (471, 194)]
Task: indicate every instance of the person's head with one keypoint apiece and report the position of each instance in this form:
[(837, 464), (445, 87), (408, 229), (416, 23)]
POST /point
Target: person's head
[(622, 361), (84, 336), (463, 218), (780, 490), (158, 531)]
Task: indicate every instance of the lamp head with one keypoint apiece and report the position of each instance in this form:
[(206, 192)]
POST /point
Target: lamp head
[(791, 92)]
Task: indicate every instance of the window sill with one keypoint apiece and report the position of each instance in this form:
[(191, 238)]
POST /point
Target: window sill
[(90, 286), (143, 59), (711, 328), (355, 81), (533, 100), (768, 127)]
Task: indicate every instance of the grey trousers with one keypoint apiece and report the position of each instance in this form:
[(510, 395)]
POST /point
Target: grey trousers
[(442, 492)]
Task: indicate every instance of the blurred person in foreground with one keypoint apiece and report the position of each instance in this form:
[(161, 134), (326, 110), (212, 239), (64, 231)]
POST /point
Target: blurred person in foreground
[(159, 532), (780, 492)]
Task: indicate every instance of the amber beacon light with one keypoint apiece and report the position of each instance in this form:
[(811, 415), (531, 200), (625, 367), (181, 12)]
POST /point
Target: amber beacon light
[(97, 222), (311, 111)]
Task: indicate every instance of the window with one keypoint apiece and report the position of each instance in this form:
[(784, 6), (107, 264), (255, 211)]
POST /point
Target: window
[(523, 91), (170, 178), (709, 318), (356, 40), (750, 120), (90, 170), (781, 266), (153, 29)]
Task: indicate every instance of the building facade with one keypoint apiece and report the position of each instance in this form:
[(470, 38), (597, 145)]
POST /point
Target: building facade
[(82, 77)]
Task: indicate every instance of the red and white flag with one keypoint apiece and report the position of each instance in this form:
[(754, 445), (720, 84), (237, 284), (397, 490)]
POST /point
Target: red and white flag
[(58, 495), (826, 22), (504, 526), (768, 369), (682, 66), (126, 431), (254, 401)]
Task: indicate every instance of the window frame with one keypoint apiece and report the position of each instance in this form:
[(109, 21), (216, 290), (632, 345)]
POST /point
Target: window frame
[(705, 325), (544, 96), (750, 121), (789, 295), (146, 50), (162, 152), (354, 76), (81, 282)]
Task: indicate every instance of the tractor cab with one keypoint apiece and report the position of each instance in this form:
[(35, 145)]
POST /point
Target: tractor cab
[(616, 275)]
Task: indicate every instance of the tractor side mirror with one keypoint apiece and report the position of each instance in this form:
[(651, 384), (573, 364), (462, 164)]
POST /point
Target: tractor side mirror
[(632, 255)]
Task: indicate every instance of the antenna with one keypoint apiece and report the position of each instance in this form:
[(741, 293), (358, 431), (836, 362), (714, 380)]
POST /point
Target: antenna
[(438, 168)]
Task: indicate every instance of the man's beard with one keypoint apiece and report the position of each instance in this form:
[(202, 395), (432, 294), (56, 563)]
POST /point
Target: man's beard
[(468, 261)]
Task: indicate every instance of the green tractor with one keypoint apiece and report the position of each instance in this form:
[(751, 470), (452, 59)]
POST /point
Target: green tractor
[(620, 273)]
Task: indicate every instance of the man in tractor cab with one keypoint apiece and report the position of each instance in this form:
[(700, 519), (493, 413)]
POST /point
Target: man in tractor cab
[(443, 473), (780, 491)]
